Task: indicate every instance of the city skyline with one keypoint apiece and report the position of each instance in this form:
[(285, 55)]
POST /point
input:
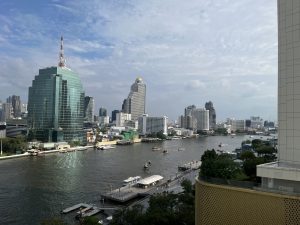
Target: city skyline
[(204, 50)]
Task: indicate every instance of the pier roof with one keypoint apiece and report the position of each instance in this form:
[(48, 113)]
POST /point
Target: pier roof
[(150, 180)]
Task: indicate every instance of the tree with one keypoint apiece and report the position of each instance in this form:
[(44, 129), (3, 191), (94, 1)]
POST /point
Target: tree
[(249, 166), (219, 166), (12, 145), (247, 155), (161, 135), (90, 220)]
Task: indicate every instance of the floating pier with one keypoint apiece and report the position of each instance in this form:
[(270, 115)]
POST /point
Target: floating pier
[(142, 188), (74, 207), (194, 165)]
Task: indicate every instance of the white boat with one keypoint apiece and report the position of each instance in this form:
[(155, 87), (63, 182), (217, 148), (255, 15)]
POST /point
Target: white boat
[(106, 147), (155, 148), (181, 149), (131, 180)]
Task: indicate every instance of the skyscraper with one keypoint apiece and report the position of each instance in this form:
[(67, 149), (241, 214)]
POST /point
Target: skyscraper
[(56, 104), (114, 114), (15, 101), (212, 115), (136, 101), (102, 112), (89, 105)]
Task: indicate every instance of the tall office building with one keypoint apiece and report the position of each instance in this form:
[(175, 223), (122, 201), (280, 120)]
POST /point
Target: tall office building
[(89, 106), (114, 114), (6, 112), (15, 101), (102, 112), (285, 174), (56, 104), (212, 115), (136, 101)]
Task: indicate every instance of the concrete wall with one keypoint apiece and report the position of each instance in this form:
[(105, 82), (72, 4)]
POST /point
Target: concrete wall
[(225, 205)]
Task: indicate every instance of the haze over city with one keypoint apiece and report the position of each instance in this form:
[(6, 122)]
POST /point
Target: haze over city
[(186, 52)]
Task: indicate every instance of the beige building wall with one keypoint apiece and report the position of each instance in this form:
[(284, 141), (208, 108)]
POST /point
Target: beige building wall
[(289, 80), (225, 205)]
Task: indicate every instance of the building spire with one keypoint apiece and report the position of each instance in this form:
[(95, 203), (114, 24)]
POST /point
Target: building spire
[(62, 60)]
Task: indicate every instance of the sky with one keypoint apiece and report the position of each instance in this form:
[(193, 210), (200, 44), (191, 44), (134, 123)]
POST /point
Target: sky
[(187, 52)]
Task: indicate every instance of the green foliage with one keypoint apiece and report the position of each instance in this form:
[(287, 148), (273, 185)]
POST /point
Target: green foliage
[(222, 131), (11, 145), (91, 220), (164, 209), (246, 142), (53, 221), (264, 149), (249, 166), (257, 143), (74, 143), (172, 133), (220, 166), (247, 155)]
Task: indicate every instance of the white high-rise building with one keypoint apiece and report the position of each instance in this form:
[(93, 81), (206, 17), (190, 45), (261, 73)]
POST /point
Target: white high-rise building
[(201, 118), (136, 101), (121, 119), (149, 125), (284, 175)]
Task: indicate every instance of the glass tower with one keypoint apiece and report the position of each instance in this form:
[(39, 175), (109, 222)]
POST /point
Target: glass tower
[(56, 105)]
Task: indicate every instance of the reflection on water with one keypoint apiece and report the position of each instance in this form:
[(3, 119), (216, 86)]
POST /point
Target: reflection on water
[(38, 187)]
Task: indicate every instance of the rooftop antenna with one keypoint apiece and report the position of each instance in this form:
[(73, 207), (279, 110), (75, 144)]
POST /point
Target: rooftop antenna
[(62, 60)]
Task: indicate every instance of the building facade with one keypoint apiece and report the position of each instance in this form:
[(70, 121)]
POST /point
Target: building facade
[(102, 112), (121, 118), (212, 115), (114, 115), (56, 104), (15, 102), (284, 175), (89, 107), (136, 101), (201, 119), (149, 125)]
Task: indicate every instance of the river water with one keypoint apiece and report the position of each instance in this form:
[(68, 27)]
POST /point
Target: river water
[(35, 188)]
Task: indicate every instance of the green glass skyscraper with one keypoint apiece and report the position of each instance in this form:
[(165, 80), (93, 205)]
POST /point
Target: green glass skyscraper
[(56, 104)]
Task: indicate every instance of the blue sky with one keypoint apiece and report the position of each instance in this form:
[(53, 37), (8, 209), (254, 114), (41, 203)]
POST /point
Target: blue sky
[(187, 52)]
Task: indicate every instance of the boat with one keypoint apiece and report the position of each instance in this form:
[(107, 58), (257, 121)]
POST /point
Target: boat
[(165, 151), (105, 147), (221, 145), (181, 149), (146, 166), (63, 151), (131, 180), (155, 148)]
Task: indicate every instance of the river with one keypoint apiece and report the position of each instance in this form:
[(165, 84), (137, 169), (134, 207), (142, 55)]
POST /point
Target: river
[(35, 188)]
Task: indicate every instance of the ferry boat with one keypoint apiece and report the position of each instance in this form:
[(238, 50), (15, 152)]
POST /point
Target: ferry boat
[(155, 148), (131, 180), (106, 147)]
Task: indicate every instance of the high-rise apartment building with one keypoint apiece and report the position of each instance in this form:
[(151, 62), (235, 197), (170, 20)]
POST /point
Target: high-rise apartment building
[(6, 112), (201, 119), (121, 119), (56, 104), (15, 102), (212, 115), (89, 106), (136, 101), (148, 124)]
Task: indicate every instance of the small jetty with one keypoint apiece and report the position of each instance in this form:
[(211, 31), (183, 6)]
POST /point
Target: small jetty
[(74, 207), (124, 142), (193, 165), (142, 188)]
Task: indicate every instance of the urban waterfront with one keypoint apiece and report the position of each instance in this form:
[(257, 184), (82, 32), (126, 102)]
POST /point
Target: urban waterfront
[(35, 188)]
